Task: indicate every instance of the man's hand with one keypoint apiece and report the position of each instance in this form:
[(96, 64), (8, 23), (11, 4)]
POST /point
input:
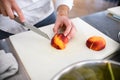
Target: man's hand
[(62, 19), (8, 7)]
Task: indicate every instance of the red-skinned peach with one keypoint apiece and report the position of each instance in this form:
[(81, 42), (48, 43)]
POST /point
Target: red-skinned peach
[(59, 41), (96, 43)]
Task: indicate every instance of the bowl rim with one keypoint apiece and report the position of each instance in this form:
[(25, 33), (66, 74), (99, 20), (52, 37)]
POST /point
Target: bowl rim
[(80, 63)]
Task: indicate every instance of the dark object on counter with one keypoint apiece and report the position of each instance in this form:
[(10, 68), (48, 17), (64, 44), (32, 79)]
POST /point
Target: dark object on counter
[(114, 1), (91, 70), (116, 57), (4, 34), (119, 3)]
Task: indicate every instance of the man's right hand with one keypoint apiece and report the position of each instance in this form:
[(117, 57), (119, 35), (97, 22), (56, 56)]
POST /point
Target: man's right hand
[(8, 7)]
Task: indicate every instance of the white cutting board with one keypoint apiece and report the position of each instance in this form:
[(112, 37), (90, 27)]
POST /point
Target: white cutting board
[(42, 61)]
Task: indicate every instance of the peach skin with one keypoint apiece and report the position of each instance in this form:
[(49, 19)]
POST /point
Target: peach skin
[(96, 43), (59, 41)]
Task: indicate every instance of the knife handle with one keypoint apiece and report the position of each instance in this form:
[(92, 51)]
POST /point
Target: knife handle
[(16, 18)]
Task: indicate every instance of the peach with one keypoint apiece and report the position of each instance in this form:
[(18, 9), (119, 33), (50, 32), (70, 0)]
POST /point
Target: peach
[(96, 43), (59, 41)]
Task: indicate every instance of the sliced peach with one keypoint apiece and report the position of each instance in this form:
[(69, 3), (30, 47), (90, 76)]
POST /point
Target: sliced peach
[(96, 43)]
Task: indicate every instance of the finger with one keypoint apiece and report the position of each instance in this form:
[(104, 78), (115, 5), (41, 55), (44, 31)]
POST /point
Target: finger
[(8, 9), (19, 12), (0, 8), (56, 27), (3, 11), (72, 32), (68, 28)]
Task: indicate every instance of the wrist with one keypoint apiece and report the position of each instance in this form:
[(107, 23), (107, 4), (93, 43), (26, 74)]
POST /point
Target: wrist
[(63, 10)]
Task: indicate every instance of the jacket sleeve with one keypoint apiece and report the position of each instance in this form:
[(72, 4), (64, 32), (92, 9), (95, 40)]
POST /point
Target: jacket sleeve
[(68, 3)]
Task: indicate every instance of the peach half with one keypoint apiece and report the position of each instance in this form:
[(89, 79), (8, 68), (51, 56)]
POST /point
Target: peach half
[(96, 43), (59, 41)]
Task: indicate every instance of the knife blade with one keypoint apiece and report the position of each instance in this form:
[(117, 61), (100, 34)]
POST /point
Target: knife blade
[(31, 27)]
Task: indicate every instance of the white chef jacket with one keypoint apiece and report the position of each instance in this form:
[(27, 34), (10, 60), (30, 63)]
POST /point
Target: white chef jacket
[(34, 11)]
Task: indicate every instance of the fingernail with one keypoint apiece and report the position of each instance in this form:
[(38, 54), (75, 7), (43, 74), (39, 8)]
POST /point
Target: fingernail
[(23, 20), (65, 34), (68, 37)]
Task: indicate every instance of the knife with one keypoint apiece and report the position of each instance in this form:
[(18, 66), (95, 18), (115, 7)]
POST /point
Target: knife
[(31, 27)]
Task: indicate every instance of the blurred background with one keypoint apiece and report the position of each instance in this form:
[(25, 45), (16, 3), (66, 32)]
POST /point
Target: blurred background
[(85, 7)]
